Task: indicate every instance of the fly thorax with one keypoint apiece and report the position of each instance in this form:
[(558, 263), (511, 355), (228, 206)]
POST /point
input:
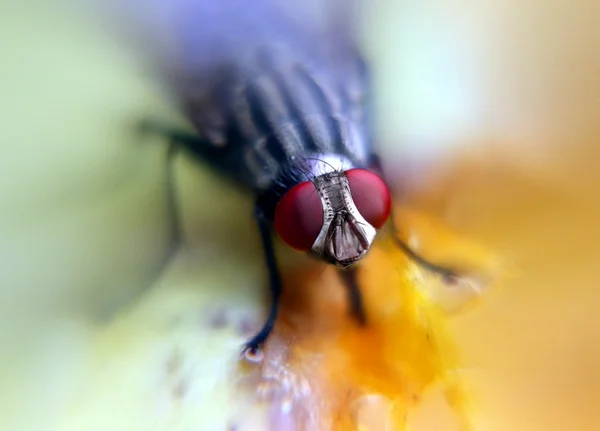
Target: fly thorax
[(345, 236)]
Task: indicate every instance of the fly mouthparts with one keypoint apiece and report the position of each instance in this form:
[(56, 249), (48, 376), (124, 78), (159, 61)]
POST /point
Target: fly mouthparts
[(345, 236), (347, 242)]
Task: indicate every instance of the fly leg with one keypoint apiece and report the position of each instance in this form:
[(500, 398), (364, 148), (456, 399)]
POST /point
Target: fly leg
[(171, 195), (348, 275), (172, 205), (178, 139), (449, 275), (274, 283), (217, 157)]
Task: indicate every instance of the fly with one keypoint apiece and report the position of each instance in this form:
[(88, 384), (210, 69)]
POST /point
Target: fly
[(279, 100)]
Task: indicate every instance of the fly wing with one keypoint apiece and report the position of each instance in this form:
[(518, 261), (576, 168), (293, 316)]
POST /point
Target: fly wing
[(199, 46)]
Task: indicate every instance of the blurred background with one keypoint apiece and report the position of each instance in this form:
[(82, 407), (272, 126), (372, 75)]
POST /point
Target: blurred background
[(488, 116)]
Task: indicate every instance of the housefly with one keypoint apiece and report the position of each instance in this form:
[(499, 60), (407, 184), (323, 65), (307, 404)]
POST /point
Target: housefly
[(278, 93)]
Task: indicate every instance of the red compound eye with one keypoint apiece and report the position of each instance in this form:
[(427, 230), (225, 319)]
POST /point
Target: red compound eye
[(299, 216), (371, 196)]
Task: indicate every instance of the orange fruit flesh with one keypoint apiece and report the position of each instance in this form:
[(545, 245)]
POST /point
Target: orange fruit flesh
[(322, 370)]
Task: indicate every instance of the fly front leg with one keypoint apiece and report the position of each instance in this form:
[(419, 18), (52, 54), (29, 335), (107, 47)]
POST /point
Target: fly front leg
[(449, 275), (274, 282), (357, 309), (199, 147), (218, 157)]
